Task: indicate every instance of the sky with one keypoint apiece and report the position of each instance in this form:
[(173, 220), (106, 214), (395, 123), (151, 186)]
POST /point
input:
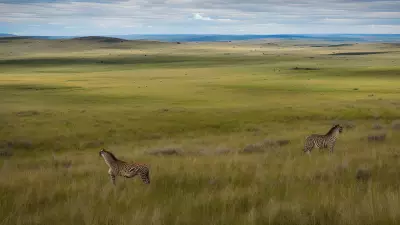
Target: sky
[(119, 17)]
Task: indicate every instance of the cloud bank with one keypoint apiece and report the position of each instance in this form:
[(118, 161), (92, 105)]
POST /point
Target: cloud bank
[(86, 17)]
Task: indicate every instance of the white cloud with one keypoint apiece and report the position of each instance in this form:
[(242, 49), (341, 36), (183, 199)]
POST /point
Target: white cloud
[(226, 20), (338, 20), (198, 16)]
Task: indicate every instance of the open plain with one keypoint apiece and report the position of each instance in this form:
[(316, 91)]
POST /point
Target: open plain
[(222, 126)]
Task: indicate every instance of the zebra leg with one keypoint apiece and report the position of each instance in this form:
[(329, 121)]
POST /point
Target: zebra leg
[(145, 177), (307, 150), (331, 147), (308, 147), (112, 179), (112, 176)]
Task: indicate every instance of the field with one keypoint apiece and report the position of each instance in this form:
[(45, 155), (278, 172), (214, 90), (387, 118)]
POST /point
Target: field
[(234, 113)]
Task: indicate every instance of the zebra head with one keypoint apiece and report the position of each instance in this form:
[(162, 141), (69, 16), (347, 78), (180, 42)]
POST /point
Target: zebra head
[(338, 127), (107, 155), (101, 152)]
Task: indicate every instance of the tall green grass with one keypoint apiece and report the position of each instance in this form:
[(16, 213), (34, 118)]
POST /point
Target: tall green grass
[(209, 101)]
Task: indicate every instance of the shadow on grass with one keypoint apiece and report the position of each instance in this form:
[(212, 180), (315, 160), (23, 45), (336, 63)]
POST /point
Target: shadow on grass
[(162, 60), (58, 94), (358, 53), (35, 87), (330, 46)]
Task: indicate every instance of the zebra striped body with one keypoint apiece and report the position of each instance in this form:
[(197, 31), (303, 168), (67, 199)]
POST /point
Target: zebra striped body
[(322, 141), (120, 168)]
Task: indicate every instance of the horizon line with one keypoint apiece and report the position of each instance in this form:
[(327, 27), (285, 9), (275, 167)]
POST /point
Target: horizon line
[(99, 35)]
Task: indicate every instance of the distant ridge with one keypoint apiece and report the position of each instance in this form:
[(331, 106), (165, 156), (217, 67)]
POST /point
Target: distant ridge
[(7, 35), (101, 39), (222, 37), (389, 38)]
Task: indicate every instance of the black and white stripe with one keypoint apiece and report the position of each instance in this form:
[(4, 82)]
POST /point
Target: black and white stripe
[(322, 141), (120, 168)]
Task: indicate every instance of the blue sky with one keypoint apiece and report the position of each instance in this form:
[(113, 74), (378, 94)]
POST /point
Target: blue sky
[(113, 17)]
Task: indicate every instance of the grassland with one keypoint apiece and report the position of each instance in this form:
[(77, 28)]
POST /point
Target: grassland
[(61, 101)]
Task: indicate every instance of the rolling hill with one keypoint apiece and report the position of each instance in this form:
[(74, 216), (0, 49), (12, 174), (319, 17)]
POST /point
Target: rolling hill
[(219, 37)]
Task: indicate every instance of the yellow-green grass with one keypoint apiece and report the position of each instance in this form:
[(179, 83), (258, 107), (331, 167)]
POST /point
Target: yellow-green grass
[(61, 102)]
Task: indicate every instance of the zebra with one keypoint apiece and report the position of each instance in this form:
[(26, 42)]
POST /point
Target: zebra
[(322, 141), (120, 168)]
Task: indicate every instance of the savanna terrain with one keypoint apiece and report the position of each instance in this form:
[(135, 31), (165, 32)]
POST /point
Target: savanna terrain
[(228, 120)]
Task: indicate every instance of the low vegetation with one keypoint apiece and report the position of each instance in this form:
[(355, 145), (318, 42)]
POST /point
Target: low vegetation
[(191, 111)]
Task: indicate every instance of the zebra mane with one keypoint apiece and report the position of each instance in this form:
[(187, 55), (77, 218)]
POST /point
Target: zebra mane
[(332, 129), (111, 155)]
